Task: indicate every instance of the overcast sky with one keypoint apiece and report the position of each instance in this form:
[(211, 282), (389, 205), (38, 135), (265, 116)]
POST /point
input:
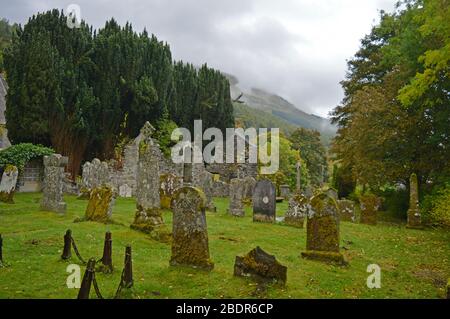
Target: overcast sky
[(294, 48)]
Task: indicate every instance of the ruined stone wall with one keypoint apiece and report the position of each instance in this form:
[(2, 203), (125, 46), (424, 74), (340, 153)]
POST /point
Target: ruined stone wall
[(31, 177)]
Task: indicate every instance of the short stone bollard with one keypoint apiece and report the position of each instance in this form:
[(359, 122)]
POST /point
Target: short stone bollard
[(107, 266), (67, 250)]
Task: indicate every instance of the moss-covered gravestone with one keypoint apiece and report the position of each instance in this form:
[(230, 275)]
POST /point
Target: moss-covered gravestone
[(94, 174), (236, 207), (369, 205), (322, 235), (297, 210), (261, 266), (249, 186), (190, 235), (52, 199), (414, 216), (8, 184), (347, 210), (169, 183), (100, 205), (264, 198), (148, 216)]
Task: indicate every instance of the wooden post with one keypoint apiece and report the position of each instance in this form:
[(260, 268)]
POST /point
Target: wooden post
[(85, 288), (128, 269), (67, 251), (107, 254)]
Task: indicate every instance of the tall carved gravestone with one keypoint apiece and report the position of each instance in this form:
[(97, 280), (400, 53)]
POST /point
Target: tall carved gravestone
[(236, 198), (369, 205), (52, 199), (414, 216), (190, 234), (8, 184), (322, 233), (148, 215), (264, 197), (169, 183), (346, 210), (297, 206)]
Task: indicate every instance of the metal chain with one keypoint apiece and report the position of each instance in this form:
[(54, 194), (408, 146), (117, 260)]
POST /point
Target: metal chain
[(120, 287), (97, 290), (77, 252)]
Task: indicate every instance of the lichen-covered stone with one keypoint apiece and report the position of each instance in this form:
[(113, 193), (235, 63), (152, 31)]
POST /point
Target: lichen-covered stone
[(297, 211), (369, 205), (260, 265), (100, 205), (52, 199), (148, 216), (94, 174), (347, 210), (414, 216), (190, 235), (249, 186), (236, 207), (8, 184), (264, 201), (285, 191), (125, 191), (322, 235), (203, 179), (169, 183)]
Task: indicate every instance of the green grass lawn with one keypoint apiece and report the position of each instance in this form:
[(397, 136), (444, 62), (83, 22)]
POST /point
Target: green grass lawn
[(414, 263)]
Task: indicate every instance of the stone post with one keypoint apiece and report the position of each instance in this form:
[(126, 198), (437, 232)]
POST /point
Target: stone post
[(52, 199), (414, 216)]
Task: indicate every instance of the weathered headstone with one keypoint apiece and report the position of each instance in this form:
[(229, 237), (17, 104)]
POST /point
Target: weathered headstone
[(249, 186), (52, 199), (148, 216), (236, 207), (369, 205), (94, 174), (100, 205), (264, 209), (260, 265), (285, 191), (190, 234), (8, 184), (322, 230), (347, 210), (169, 183), (297, 211), (125, 191), (204, 180), (414, 216)]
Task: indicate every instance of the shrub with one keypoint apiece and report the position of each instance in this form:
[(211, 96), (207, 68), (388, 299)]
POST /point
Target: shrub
[(20, 154), (436, 206)]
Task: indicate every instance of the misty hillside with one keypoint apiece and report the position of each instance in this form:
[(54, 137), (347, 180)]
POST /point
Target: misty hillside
[(278, 108)]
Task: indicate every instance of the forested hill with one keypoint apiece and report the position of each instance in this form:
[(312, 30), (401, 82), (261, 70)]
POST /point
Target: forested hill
[(276, 107)]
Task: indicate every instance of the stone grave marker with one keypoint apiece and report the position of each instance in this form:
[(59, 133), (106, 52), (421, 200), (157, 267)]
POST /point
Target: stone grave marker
[(236, 207), (414, 216), (52, 199), (346, 210), (369, 204), (264, 209), (8, 184), (297, 211), (100, 205), (169, 183), (190, 235)]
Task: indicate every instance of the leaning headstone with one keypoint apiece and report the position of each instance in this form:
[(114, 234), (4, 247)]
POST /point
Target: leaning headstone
[(52, 199), (260, 265), (148, 216), (297, 211), (236, 198), (347, 210), (125, 191), (414, 216), (101, 203), (8, 184), (190, 234), (169, 183), (322, 230), (264, 209), (369, 204), (285, 191)]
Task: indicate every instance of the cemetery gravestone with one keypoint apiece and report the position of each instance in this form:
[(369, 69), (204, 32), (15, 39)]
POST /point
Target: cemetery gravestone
[(125, 191), (297, 211), (322, 234), (264, 208), (52, 199), (347, 210), (8, 184), (101, 203), (369, 204), (285, 192), (236, 207), (249, 186), (190, 235), (169, 183), (414, 216)]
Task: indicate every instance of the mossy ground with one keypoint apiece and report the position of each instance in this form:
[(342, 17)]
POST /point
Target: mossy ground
[(414, 263)]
